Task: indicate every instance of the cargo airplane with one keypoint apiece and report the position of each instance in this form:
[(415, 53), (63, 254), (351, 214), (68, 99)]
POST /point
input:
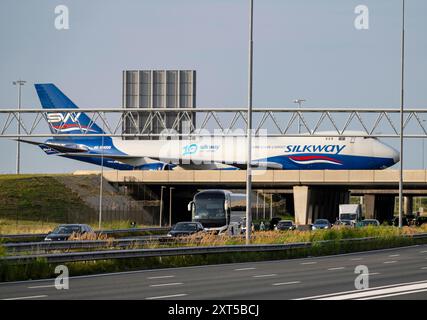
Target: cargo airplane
[(290, 153)]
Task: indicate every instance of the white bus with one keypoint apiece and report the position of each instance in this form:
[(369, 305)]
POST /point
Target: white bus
[(219, 210)]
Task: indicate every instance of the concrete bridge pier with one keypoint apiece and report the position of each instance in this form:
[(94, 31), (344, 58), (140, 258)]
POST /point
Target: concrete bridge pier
[(379, 206), (312, 203), (408, 205)]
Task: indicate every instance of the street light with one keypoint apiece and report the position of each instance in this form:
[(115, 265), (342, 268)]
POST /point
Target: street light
[(18, 83), (299, 101), (402, 101), (249, 128), (101, 181)]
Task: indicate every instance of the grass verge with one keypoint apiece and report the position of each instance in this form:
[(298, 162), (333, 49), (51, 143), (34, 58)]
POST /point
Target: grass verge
[(40, 268)]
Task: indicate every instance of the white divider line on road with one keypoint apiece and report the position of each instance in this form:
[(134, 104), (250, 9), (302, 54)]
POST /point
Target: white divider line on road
[(244, 269), (39, 287), (407, 286), (388, 262), (166, 284), (380, 292), (356, 259), (29, 297), (265, 275), (306, 263), (394, 294), (394, 255), (286, 283), (166, 297), (337, 268), (159, 277)]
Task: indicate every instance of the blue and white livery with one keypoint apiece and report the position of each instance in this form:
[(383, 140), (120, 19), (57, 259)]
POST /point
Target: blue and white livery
[(296, 153)]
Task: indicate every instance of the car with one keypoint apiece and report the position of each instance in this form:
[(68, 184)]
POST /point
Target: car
[(345, 223), (395, 221), (285, 225), (273, 222), (321, 224), (185, 229), (64, 231), (368, 222), (420, 220)]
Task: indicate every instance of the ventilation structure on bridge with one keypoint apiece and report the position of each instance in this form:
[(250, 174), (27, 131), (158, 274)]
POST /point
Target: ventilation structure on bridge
[(159, 90)]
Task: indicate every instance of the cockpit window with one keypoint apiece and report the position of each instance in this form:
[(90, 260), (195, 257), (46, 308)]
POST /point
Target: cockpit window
[(341, 138)]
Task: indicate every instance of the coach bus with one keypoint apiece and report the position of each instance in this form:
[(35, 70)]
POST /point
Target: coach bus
[(219, 210)]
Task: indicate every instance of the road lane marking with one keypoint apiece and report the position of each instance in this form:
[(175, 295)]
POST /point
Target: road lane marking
[(356, 259), (166, 284), (286, 283), (244, 269), (38, 287), (312, 262), (393, 261), (333, 294), (425, 251), (395, 294), (265, 275), (337, 268), (394, 255), (379, 292), (159, 277), (424, 268), (165, 297), (29, 297)]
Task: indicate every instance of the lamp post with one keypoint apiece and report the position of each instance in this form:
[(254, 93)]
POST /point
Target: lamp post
[(401, 116), (249, 129), (18, 83), (101, 181), (299, 101)]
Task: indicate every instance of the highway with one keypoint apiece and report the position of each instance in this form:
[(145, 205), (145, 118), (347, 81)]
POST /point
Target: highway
[(399, 273)]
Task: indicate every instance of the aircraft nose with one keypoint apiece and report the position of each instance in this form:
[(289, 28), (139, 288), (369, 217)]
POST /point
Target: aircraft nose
[(396, 155)]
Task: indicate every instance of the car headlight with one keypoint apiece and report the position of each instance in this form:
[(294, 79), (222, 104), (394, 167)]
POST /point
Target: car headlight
[(169, 235), (47, 239)]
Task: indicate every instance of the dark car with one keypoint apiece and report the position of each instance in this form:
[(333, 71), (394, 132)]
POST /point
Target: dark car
[(368, 222), (420, 220), (185, 229), (321, 224), (345, 223), (285, 225), (395, 221), (64, 231), (273, 222)]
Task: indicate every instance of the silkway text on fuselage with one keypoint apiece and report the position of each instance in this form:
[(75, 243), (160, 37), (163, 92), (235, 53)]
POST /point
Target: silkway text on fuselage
[(329, 148)]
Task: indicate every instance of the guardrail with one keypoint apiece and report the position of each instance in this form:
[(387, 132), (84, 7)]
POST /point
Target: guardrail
[(162, 252), (81, 244), (108, 232)]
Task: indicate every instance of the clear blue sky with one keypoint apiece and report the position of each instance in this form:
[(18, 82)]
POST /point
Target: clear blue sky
[(303, 48)]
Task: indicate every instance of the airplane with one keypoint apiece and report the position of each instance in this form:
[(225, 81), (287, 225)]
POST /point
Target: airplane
[(218, 153)]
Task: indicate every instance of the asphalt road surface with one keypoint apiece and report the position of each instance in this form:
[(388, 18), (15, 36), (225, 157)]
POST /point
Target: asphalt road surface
[(392, 274)]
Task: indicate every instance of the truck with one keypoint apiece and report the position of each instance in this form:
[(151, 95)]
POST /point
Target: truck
[(350, 212)]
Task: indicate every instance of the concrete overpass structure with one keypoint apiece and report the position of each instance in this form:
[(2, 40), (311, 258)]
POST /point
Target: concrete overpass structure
[(315, 193)]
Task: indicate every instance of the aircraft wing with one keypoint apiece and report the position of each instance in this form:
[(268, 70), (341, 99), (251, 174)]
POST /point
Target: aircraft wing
[(59, 148)]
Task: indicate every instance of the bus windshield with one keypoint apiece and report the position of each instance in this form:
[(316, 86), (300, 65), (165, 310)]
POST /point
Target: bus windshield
[(209, 209), (209, 206)]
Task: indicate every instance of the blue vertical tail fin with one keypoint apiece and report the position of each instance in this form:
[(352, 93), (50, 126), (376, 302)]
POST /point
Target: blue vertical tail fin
[(64, 123)]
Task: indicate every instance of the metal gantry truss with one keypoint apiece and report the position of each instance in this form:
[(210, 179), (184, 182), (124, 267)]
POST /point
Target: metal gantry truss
[(331, 122)]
